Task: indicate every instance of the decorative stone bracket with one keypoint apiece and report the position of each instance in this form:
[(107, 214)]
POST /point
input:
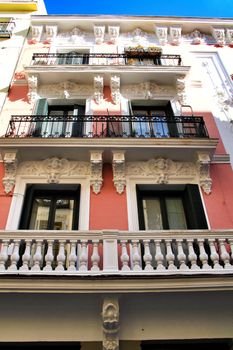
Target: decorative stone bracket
[(113, 32), (110, 316), (115, 88), (32, 88), (203, 164), (118, 165), (96, 170), (99, 32), (98, 88), (10, 163), (181, 89)]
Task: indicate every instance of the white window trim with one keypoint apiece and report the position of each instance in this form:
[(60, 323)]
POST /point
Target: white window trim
[(20, 190), (132, 205)]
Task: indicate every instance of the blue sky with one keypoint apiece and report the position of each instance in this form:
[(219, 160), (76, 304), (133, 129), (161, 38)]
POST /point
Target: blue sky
[(201, 8)]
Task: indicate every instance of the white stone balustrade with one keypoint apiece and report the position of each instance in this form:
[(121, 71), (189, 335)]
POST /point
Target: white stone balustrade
[(167, 253)]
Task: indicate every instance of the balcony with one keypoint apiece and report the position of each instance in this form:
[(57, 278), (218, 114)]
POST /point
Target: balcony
[(106, 127), (95, 253), (142, 137), (166, 67)]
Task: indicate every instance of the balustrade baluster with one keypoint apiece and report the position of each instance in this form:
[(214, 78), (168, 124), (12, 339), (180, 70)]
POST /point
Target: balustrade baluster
[(170, 257), (49, 257), (26, 258), (159, 256), (14, 257), (124, 256), (72, 258), (147, 257), (203, 255), (3, 255), (214, 256), (95, 258), (61, 257), (181, 256), (37, 257), (136, 256), (224, 255), (83, 257), (192, 255)]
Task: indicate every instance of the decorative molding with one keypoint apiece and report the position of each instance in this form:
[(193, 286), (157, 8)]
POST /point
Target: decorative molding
[(115, 83), (113, 32), (164, 171), (161, 33), (220, 159), (96, 170), (32, 88), (139, 35), (51, 32), (203, 163), (36, 32), (54, 168), (219, 36), (10, 162), (99, 32), (98, 88), (175, 35), (118, 165), (196, 37), (111, 324), (181, 89), (66, 89), (229, 35), (148, 90)]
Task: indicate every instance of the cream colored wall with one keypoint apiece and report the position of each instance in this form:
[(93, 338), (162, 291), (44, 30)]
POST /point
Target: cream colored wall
[(74, 317)]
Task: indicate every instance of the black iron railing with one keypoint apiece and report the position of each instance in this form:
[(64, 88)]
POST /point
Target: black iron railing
[(139, 126), (105, 59)]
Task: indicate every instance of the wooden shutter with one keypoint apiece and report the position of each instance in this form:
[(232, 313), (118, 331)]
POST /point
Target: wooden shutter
[(78, 127), (41, 110)]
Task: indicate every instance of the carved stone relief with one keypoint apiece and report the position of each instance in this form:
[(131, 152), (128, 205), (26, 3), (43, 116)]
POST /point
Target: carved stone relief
[(113, 32), (164, 171), (111, 324), (161, 33), (32, 88), (98, 88), (10, 164), (96, 170), (66, 89), (99, 32), (147, 90), (118, 165), (115, 88), (181, 90)]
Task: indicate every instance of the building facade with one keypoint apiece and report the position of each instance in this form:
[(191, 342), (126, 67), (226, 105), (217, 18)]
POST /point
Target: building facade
[(116, 185)]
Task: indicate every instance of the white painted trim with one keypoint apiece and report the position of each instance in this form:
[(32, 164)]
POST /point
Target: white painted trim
[(132, 206), (20, 190)]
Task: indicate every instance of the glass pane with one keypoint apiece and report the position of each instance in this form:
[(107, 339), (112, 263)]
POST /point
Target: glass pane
[(141, 127), (40, 214), (63, 214), (175, 213), (152, 214), (160, 128)]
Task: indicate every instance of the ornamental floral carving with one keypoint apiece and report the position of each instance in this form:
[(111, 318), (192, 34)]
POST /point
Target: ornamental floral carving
[(10, 164), (98, 88), (115, 83), (96, 170), (66, 89), (219, 36), (118, 165), (181, 90), (54, 168), (110, 316), (32, 88), (203, 163), (147, 90)]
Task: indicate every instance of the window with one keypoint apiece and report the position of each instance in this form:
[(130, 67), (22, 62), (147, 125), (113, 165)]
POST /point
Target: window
[(51, 207), (168, 207), (153, 121), (58, 120), (73, 57)]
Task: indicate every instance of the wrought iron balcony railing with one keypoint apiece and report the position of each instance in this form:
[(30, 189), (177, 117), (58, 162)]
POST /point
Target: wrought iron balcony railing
[(161, 253), (90, 126), (143, 59)]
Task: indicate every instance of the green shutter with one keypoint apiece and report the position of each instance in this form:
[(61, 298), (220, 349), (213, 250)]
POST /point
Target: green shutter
[(41, 107)]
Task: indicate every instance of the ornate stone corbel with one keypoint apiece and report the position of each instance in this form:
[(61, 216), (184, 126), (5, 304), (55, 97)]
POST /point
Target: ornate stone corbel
[(51, 32), (36, 32), (118, 166), (181, 89), (161, 33), (175, 35), (113, 32), (98, 88), (111, 324), (219, 36), (203, 164), (229, 35), (96, 170), (10, 163), (99, 34), (32, 88), (115, 83)]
